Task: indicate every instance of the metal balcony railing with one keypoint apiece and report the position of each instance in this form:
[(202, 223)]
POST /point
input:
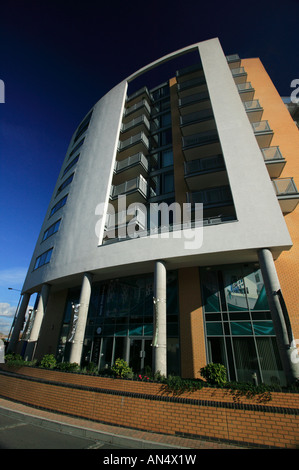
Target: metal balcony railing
[(136, 159), (135, 184), (140, 137), (141, 104), (211, 197), (191, 83), (285, 187), (196, 116), (135, 122), (204, 95), (204, 164), (200, 138)]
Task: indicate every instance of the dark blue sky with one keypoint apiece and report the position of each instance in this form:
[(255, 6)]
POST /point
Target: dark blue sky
[(57, 58)]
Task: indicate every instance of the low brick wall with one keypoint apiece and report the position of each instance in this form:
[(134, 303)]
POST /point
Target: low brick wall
[(208, 413)]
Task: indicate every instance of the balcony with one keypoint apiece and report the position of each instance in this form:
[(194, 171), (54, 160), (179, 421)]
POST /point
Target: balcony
[(140, 123), (217, 202), (135, 110), (131, 167), (136, 143), (246, 91), (205, 172), (118, 225), (239, 75), (194, 102), (233, 61), (203, 144), (287, 194), (135, 190), (198, 121), (254, 110), (188, 73), (274, 161), (263, 133), (195, 85)]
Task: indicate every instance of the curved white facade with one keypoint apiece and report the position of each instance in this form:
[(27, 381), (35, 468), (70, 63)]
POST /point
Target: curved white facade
[(193, 141), (77, 247)]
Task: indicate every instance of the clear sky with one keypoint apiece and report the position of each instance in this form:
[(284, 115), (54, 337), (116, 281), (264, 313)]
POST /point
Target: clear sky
[(58, 58)]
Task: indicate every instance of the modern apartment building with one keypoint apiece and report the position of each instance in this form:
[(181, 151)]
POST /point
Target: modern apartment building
[(171, 238)]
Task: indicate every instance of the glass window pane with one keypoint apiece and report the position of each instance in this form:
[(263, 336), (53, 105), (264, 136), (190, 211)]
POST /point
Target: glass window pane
[(270, 362), (210, 291), (245, 359), (214, 329), (256, 293), (167, 158), (241, 328), (263, 328), (235, 290)]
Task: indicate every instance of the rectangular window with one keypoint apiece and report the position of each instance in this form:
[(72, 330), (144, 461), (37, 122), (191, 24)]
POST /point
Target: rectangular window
[(43, 259), (58, 205), (65, 183), (51, 230), (77, 147), (73, 162)]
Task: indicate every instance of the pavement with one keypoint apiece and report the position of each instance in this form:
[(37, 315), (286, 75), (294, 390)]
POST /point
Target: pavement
[(114, 435)]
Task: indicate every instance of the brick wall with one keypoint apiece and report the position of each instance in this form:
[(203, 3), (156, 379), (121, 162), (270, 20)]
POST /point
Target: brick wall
[(208, 413)]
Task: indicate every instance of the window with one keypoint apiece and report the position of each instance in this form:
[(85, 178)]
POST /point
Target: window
[(239, 329), (58, 205), (43, 259), (73, 162), (51, 230), (65, 183), (77, 147), (83, 126)]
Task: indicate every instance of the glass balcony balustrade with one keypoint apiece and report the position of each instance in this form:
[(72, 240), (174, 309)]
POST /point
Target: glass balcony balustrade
[(239, 74), (246, 91), (274, 161), (287, 194), (254, 110), (263, 133)]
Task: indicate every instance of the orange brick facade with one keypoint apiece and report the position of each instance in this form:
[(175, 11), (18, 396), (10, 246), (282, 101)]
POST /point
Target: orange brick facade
[(286, 136), (209, 413)]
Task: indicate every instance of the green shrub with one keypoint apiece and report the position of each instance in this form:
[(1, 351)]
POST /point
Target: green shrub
[(13, 357), (67, 366), (48, 361), (121, 369), (215, 374)]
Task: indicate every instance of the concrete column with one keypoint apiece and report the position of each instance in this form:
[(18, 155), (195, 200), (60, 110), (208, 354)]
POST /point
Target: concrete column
[(18, 324), (76, 350), (37, 323), (160, 336), (279, 315)]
